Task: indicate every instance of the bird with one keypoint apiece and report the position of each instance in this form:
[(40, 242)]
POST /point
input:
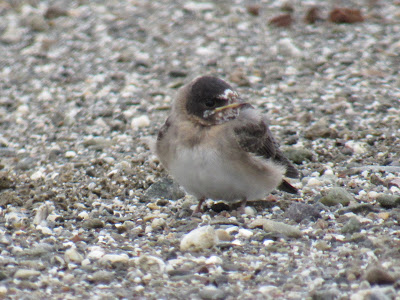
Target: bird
[(217, 146)]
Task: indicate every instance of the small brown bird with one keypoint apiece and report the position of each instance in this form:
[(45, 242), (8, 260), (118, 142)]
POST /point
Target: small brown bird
[(217, 146)]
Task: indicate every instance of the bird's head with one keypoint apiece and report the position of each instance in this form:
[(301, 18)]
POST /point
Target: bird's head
[(211, 101)]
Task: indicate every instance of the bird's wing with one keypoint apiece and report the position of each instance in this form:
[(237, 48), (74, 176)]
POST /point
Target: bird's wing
[(163, 129), (255, 137)]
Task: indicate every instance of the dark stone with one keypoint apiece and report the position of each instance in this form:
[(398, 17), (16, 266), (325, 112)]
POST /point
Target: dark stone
[(164, 188), (302, 211)]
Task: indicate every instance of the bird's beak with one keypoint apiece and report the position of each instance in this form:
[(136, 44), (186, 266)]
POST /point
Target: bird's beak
[(230, 106)]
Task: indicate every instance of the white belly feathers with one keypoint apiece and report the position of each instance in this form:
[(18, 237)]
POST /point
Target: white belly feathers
[(203, 172)]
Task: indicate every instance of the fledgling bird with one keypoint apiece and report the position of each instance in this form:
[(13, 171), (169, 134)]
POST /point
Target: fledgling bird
[(217, 146)]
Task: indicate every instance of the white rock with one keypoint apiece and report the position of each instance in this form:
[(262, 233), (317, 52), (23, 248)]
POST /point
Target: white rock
[(267, 290), (42, 213), (139, 122), (151, 264), (3, 291), (250, 211), (158, 223), (245, 233), (114, 258), (199, 239), (83, 215), (287, 47), (278, 227), (197, 6), (70, 154), (72, 255), (314, 182), (85, 262), (37, 175), (357, 147), (214, 260), (96, 252), (25, 274), (44, 229)]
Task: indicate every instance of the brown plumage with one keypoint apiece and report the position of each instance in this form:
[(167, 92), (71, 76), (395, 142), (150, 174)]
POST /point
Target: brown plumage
[(218, 146)]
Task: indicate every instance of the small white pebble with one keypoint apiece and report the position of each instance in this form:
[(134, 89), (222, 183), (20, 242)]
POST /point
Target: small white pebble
[(72, 255), (314, 182), (83, 215), (109, 160), (267, 290), (96, 252), (44, 229), (267, 243), (115, 258), (357, 147), (245, 233), (91, 186), (85, 262), (70, 154), (250, 211), (139, 288), (3, 291), (214, 260), (199, 239), (25, 274), (37, 175), (139, 122)]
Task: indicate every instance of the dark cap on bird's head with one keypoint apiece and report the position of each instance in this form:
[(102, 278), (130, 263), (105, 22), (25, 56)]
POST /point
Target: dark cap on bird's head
[(212, 101)]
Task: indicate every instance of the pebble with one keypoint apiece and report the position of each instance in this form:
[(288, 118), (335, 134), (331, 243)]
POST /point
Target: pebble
[(378, 275), (6, 181), (13, 34), (245, 233), (197, 6), (72, 255), (250, 211), (37, 175), (42, 213), (36, 22), (302, 211), (331, 294), (223, 235), (26, 273), (164, 188), (320, 129), (140, 122), (211, 292), (93, 223), (101, 277), (352, 225), (151, 264), (388, 201), (277, 227), (70, 154), (3, 291), (53, 12), (335, 196), (199, 239), (114, 259), (158, 223), (356, 147), (374, 294), (298, 155)]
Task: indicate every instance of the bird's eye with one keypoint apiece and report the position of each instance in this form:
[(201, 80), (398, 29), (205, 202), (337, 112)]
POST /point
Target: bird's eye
[(210, 103)]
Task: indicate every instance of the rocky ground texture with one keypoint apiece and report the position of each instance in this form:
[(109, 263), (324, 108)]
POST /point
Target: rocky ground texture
[(87, 211)]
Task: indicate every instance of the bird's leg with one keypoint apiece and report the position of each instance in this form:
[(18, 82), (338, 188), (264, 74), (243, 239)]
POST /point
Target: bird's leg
[(242, 206), (199, 206)]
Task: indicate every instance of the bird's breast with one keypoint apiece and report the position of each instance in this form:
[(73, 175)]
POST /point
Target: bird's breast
[(205, 171)]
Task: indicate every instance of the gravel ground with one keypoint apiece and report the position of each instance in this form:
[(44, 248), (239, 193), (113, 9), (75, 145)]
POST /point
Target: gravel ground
[(87, 211)]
